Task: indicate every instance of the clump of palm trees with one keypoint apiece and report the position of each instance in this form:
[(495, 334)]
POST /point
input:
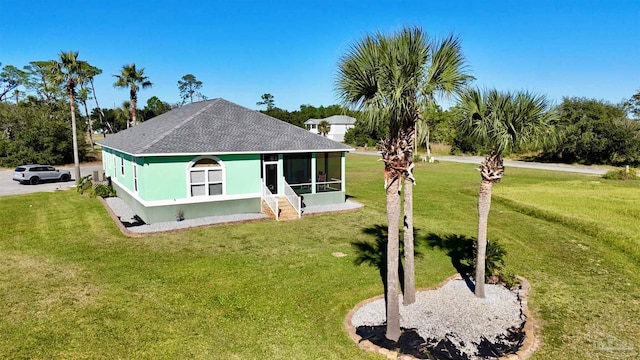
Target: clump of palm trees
[(393, 79)]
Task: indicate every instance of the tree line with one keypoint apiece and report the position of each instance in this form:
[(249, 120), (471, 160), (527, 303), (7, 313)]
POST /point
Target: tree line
[(588, 131), (34, 125)]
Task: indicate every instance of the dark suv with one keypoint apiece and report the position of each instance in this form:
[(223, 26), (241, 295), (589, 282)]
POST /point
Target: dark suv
[(33, 174)]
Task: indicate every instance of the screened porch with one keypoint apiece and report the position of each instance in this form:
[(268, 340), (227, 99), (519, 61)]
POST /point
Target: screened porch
[(313, 173)]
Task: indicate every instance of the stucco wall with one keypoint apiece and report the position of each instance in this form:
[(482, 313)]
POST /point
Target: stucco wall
[(155, 214)]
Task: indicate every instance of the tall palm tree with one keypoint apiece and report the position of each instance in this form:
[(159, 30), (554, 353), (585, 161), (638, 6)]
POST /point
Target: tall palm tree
[(385, 76), (501, 121), (89, 72), (362, 82), (84, 94), (133, 79), (442, 71), (66, 72), (324, 127)]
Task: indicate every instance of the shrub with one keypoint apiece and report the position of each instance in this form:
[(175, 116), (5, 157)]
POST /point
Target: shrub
[(494, 263), (621, 174), (104, 191), (84, 184)]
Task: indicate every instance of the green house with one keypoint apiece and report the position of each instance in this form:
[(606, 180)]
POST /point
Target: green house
[(217, 158)]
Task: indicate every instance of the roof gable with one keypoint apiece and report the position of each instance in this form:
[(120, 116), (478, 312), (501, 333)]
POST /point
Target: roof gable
[(216, 126)]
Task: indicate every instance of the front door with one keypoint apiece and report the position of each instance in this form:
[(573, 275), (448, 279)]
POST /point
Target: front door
[(270, 172)]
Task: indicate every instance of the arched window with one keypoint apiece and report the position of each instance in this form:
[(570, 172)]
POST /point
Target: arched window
[(206, 177)]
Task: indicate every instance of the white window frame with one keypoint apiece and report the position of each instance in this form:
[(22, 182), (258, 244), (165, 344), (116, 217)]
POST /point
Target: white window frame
[(206, 181), (135, 175), (115, 165), (122, 167)]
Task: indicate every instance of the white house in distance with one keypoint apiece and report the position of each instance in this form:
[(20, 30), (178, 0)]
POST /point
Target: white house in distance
[(339, 126)]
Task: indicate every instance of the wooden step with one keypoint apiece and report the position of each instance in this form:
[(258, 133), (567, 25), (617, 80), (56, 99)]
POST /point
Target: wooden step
[(287, 212)]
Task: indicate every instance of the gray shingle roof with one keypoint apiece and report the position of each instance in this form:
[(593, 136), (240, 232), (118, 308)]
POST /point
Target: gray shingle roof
[(216, 126), (333, 120)]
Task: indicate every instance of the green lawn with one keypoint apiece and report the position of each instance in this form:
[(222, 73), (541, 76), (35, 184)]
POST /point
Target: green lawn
[(72, 286)]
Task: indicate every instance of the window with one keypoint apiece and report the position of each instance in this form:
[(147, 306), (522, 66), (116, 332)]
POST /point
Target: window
[(135, 176), (115, 172), (122, 166), (206, 178)]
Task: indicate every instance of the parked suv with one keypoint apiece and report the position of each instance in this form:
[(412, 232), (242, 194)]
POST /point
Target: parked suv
[(33, 174)]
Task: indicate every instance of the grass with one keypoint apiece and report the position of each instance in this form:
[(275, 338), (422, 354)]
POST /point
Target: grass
[(72, 286)]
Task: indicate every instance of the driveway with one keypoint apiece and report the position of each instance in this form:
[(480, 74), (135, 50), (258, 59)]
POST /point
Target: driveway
[(509, 163), (10, 187)]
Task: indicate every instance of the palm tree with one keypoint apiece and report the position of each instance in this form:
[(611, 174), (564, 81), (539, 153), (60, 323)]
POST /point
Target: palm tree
[(89, 72), (501, 121), (361, 83), (442, 71), (382, 75), (324, 127), (409, 72), (132, 79), (66, 72), (84, 94)]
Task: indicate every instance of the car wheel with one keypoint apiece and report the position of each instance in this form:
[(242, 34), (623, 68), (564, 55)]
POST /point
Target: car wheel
[(34, 180), (65, 178)]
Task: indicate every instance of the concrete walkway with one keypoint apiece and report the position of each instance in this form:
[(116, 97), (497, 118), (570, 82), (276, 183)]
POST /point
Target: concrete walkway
[(509, 163)]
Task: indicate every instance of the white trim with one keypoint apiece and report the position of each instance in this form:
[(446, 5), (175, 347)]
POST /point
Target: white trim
[(142, 155), (115, 166), (343, 170), (121, 168), (135, 175), (191, 200)]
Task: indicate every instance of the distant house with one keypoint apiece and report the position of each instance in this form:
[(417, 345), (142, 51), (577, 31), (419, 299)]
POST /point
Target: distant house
[(218, 158), (339, 126)]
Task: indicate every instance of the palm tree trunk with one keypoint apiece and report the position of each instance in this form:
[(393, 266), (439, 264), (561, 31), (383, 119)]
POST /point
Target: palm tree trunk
[(484, 205), (100, 113), (74, 132), (409, 290), (409, 293), (89, 125), (393, 218), (134, 104)]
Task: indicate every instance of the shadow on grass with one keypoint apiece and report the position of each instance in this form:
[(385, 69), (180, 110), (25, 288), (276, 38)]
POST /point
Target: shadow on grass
[(458, 248), (375, 253)]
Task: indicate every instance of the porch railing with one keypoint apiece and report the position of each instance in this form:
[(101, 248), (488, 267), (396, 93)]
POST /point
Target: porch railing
[(293, 198), (270, 199)]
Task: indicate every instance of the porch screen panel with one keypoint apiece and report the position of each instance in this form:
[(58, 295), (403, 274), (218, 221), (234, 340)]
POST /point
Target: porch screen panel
[(297, 172), (328, 172)]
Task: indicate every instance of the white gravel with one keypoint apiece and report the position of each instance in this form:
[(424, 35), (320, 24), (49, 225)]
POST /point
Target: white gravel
[(126, 214), (122, 210), (454, 312)]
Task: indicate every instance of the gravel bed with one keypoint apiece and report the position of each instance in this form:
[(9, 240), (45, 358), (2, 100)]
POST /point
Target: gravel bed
[(453, 312), (127, 215), (124, 212)]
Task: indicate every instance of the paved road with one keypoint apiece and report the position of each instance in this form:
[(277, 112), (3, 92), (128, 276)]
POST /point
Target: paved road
[(508, 163), (10, 187)]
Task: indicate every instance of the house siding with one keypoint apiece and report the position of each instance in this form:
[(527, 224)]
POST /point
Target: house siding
[(154, 214)]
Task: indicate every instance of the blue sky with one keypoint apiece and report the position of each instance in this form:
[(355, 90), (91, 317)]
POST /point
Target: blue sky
[(243, 49)]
